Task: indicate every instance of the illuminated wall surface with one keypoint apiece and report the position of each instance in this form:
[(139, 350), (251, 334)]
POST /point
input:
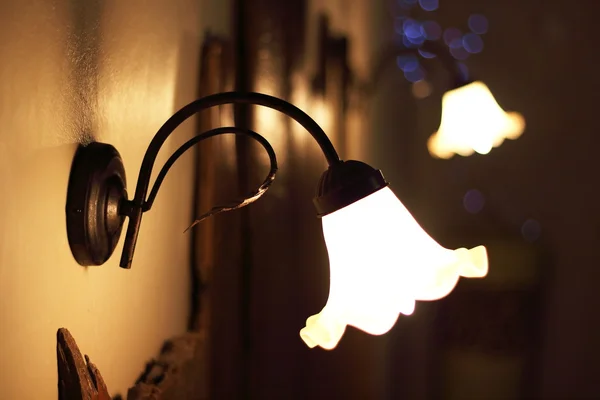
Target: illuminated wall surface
[(72, 71)]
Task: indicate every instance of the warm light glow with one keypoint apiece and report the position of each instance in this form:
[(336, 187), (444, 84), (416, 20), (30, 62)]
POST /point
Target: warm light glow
[(381, 261), (472, 121), (313, 105), (270, 123), (321, 113)]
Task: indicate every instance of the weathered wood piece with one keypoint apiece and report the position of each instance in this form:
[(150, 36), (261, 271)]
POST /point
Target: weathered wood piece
[(177, 373), (78, 379)]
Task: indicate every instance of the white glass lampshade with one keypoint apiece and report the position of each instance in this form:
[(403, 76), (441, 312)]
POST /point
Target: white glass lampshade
[(472, 121), (381, 261)]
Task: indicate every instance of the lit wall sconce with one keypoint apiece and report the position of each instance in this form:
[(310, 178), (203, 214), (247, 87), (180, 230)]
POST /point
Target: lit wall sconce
[(472, 121), (381, 260)]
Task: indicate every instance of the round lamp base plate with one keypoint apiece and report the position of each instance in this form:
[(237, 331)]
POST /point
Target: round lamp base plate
[(97, 187)]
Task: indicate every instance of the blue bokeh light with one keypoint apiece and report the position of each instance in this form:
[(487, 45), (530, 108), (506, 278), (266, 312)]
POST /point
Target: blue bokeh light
[(478, 24), (431, 30), (417, 41), (456, 43), (407, 42), (472, 43), (473, 201), (415, 76), (412, 33), (426, 54), (407, 63), (531, 230), (429, 5), (412, 28)]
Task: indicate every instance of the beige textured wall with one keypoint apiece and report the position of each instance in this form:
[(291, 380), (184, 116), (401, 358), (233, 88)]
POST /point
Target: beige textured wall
[(72, 71)]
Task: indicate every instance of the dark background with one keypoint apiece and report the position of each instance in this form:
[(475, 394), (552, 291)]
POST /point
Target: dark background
[(529, 330)]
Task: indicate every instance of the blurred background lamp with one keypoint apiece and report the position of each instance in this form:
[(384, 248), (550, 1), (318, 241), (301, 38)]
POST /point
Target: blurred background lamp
[(472, 121)]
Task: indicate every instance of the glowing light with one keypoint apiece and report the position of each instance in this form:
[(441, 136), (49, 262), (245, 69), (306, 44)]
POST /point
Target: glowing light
[(415, 75), (421, 89), (321, 112), (411, 28), (429, 5), (472, 121), (478, 24), (426, 54), (431, 30), (381, 262), (419, 40), (408, 42), (455, 43), (407, 62), (268, 121), (473, 201), (472, 43), (313, 105)]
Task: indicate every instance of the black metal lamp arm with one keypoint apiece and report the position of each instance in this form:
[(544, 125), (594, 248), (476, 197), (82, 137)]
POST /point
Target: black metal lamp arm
[(197, 139), (139, 204)]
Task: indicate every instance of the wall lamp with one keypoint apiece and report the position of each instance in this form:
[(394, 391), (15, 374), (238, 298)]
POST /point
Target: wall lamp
[(472, 120), (381, 260)]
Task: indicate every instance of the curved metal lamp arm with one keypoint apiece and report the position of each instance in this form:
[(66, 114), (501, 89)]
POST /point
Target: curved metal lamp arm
[(208, 134), (134, 208), (390, 54)]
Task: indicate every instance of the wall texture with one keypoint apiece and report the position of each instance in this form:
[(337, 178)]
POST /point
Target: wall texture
[(71, 72)]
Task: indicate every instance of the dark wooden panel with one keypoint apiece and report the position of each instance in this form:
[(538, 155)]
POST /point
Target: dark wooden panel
[(285, 260), (216, 248)]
